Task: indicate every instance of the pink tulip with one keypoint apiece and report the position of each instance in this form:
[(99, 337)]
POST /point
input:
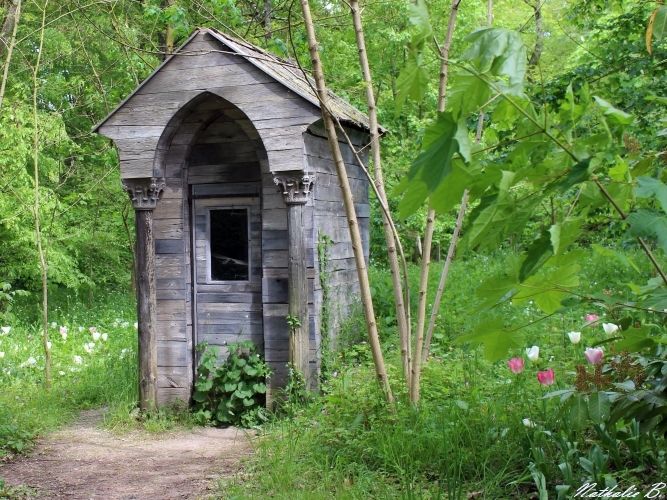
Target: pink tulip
[(594, 355), (516, 365), (546, 377), (591, 318)]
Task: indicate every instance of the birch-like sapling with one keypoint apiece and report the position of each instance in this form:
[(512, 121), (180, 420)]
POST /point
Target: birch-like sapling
[(348, 202)]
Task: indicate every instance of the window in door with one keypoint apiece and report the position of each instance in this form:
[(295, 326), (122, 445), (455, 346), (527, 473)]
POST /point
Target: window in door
[(228, 239)]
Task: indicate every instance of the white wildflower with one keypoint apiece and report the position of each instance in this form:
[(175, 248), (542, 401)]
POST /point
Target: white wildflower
[(2, 354), (31, 361), (529, 423), (96, 335), (5, 329), (105, 337), (48, 345), (54, 324), (77, 360), (136, 325)]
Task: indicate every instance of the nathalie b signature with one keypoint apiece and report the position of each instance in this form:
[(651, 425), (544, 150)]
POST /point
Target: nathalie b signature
[(590, 490)]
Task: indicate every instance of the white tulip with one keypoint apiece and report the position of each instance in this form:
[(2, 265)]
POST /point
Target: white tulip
[(2, 354), (48, 345), (533, 353), (96, 335), (136, 325), (81, 329), (610, 328), (575, 337), (105, 337), (6, 329)]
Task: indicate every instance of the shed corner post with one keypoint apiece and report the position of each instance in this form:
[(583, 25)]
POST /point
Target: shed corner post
[(144, 193), (296, 187)]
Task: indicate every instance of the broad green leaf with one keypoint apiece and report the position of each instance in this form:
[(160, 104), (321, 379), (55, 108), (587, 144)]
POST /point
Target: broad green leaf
[(467, 95), (420, 18), (615, 114), (649, 224), (449, 193), (577, 174), (411, 82), (549, 287), (442, 139), (648, 187), (499, 52), (619, 172), (578, 411), (488, 223), (414, 193), (660, 23), (537, 254), (599, 407), (565, 233), (497, 340), (636, 339)]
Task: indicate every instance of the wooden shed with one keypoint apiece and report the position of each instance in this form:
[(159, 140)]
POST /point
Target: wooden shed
[(225, 159)]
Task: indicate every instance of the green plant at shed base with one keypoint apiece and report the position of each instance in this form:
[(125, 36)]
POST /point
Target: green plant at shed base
[(234, 392)]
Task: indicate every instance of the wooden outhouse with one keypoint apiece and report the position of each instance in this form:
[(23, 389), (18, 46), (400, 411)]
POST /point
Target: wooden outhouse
[(225, 159)]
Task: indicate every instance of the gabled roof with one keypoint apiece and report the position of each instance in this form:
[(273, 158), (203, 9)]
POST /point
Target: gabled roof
[(284, 72)]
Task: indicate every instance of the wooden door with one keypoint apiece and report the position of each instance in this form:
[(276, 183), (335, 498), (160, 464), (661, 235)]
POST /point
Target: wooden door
[(228, 271)]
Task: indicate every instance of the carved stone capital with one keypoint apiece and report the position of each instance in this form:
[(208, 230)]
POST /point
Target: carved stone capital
[(144, 192), (296, 187)]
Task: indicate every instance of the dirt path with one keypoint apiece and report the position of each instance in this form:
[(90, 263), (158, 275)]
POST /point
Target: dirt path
[(84, 461)]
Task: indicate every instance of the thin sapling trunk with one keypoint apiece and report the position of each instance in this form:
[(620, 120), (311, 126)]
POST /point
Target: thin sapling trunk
[(355, 235), (401, 316)]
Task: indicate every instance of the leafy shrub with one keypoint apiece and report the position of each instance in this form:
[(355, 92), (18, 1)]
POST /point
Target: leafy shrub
[(233, 393), (13, 439)]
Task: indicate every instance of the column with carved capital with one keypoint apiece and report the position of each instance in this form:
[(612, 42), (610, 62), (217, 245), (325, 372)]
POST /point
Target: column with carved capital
[(144, 194), (296, 188)]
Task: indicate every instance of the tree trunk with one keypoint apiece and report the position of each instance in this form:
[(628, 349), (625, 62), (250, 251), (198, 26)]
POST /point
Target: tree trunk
[(348, 202), (9, 24), (539, 34), (268, 12), (8, 40), (443, 276), (169, 35), (430, 217), (403, 325), (457, 229), (41, 250)]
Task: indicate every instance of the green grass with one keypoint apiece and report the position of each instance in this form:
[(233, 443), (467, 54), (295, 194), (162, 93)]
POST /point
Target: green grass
[(105, 376)]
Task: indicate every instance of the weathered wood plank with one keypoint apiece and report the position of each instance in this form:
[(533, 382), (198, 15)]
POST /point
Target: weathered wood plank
[(169, 229), (169, 246), (171, 330), (172, 353), (173, 377)]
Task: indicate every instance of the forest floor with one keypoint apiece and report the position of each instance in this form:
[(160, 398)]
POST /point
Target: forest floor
[(85, 461)]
